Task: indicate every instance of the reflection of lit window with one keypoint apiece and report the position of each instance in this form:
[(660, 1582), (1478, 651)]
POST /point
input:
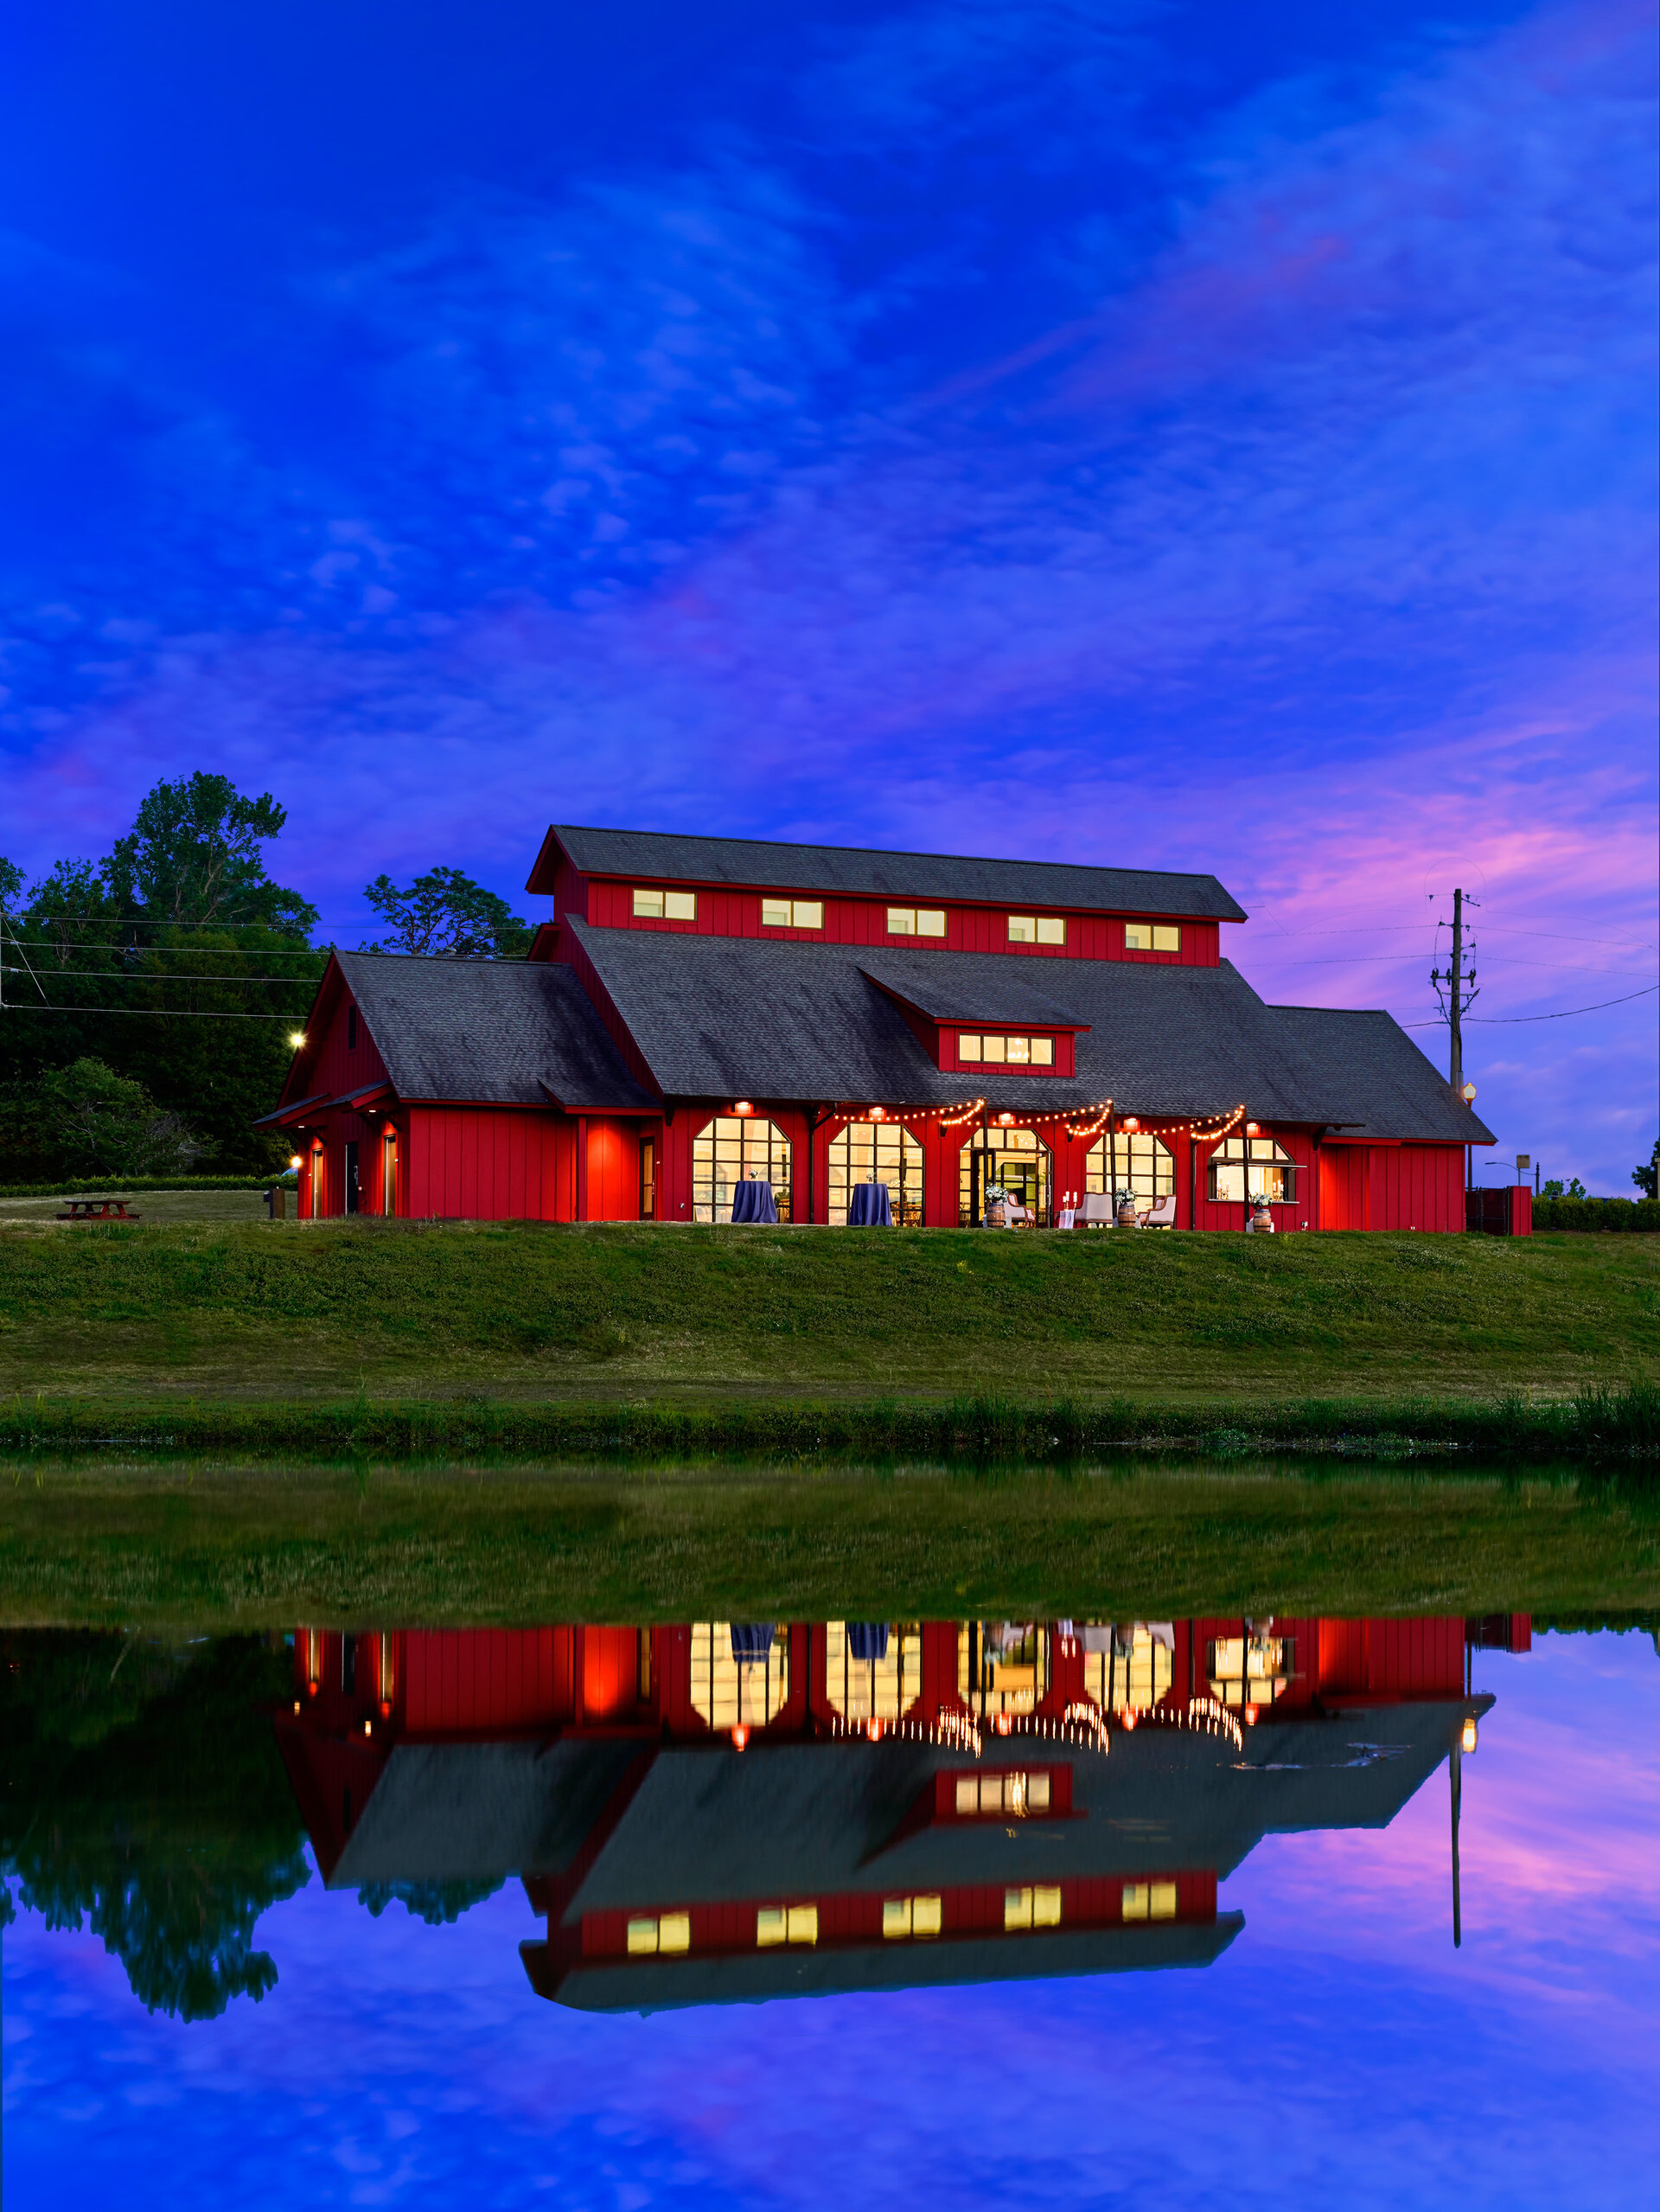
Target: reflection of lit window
[(792, 913), (872, 1670), (1127, 1668), (1011, 1797), (1034, 1907), (910, 1916), (1002, 1665), (729, 1148), (776, 1924), (668, 1932), (915, 921), (386, 1671), (665, 906), (1151, 936), (313, 1657), (1149, 1901), (1253, 1166), (740, 1678), (882, 1152), (1252, 1671)]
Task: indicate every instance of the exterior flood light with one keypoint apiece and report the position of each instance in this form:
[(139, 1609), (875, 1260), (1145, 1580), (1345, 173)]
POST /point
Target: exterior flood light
[(294, 1161), (297, 1037), (1468, 1740)]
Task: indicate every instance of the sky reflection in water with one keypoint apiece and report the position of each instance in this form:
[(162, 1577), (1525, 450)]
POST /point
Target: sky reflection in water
[(1340, 2046)]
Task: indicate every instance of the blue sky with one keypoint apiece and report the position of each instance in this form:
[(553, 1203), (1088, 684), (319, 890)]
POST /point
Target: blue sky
[(1203, 437)]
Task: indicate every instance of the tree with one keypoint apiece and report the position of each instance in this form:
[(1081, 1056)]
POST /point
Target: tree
[(446, 914), (1648, 1179), (175, 961), (87, 1120), (192, 858)]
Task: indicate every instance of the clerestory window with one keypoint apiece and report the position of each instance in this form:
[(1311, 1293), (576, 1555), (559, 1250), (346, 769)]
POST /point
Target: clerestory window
[(665, 906), (792, 913), (915, 921), (1153, 937), (1037, 929), (1007, 1051)]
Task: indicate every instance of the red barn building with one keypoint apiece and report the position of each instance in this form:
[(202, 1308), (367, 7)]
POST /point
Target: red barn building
[(712, 1811), (700, 1011)]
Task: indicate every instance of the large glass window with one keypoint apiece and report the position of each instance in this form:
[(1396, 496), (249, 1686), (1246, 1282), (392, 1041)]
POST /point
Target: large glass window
[(1126, 1668), (915, 921), (1151, 936), (1013, 1161), (740, 1674), (884, 1152), (792, 913), (1006, 1051), (1254, 1168), (872, 1668), (1130, 1161), (729, 1148), (1002, 1667), (665, 906)]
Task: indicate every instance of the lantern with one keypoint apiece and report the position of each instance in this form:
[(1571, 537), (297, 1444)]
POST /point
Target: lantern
[(1468, 1740)]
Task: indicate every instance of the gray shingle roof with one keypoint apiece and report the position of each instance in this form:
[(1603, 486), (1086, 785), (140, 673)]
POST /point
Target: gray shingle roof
[(1001, 990), (1373, 1062), (1024, 886), (496, 1031), (766, 1019)]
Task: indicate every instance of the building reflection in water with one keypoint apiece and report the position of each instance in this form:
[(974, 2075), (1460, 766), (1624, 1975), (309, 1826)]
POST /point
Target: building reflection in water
[(725, 1811)]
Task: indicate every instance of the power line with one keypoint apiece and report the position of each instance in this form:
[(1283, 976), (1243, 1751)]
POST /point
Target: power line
[(1498, 1018), (131, 976), (155, 1013)]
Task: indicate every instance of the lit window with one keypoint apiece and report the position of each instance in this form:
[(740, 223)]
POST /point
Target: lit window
[(1036, 1908), (1011, 1051), (1149, 1901), (665, 906), (725, 1151), (915, 921), (1151, 936), (1134, 1163), (1037, 929), (1254, 1167), (1051, 930), (670, 1932), (792, 913), (884, 1152)]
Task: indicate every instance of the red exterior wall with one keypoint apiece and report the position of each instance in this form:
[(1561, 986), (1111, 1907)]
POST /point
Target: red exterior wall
[(722, 912), (483, 1163)]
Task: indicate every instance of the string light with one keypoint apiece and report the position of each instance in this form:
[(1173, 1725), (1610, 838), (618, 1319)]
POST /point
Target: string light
[(1083, 1124)]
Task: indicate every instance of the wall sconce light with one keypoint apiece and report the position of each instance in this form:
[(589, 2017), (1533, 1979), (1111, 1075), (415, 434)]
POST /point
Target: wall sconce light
[(1130, 1124), (878, 1113), (1253, 1129), (742, 1107), (1005, 1121), (294, 1162)]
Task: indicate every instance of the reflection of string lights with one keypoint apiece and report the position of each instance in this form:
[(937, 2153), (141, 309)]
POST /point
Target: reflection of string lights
[(956, 1731)]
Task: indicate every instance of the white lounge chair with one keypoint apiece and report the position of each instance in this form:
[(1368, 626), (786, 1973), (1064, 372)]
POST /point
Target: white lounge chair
[(1162, 1216)]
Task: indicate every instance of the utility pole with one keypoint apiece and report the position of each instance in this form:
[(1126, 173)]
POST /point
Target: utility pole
[(1455, 987)]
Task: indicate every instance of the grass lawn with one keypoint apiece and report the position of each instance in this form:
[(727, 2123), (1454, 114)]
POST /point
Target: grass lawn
[(213, 1544), (237, 1309)]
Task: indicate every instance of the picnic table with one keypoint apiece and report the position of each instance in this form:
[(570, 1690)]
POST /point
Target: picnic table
[(98, 1210)]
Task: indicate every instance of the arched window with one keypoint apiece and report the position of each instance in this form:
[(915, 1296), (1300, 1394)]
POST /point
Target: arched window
[(872, 1668), (740, 1674), (730, 1147), (1254, 1168), (882, 1152), (1002, 1667), (1134, 1162), (1128, 1667), (1014, 1160)]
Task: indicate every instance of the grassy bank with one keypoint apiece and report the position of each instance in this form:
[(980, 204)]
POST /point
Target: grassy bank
[(1596, 1424), (215, 1545), (256, 1312)]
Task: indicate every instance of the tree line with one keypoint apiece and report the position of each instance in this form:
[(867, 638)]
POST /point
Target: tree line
[(148, 999)]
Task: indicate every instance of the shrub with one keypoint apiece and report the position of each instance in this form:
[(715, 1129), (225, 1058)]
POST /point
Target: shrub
[(1596, 1214)]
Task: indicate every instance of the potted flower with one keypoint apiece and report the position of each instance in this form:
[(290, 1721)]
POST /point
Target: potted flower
[(997, 1199)]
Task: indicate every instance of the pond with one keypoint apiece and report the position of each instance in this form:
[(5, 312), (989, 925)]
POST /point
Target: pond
[(784, 1915)]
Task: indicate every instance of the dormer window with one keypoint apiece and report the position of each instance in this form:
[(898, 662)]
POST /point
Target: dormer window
[(1151, 936), (1037, 929), (665, 906), (915, 921), (1008, 1051), (792, 913)]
